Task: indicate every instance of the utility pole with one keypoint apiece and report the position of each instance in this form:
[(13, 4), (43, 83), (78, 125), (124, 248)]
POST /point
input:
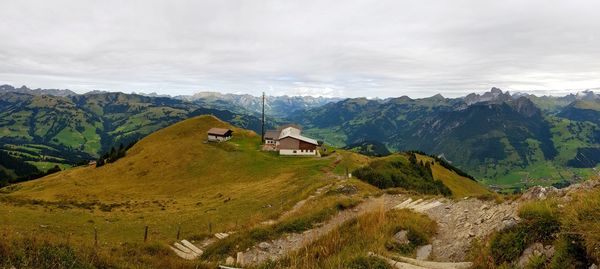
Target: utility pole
[(263, 120)]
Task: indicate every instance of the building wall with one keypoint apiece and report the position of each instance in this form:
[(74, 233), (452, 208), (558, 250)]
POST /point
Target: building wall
[(216, 138), (289, 143), (297, 152), (307, 146)]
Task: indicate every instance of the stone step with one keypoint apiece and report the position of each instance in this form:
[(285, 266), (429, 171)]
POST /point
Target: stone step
[(192, 247)]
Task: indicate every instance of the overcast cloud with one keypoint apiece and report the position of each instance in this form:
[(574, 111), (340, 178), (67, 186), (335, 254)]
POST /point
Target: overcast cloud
[(335, 48)]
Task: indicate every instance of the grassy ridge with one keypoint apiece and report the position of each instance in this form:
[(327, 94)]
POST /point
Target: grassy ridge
[(169, 178), (432, 177), (74, 129)]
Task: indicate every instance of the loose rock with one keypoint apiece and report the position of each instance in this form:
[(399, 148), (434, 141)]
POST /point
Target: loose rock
[(424, 252), (401, 237), (264, 246)]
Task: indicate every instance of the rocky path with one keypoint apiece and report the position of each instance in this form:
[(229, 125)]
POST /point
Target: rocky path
[(293, 242), (459, 223), (301, 203), (408, 263)]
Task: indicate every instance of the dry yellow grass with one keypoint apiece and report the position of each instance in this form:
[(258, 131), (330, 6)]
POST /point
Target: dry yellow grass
[(371, 232), (168, 179), (459, 185)]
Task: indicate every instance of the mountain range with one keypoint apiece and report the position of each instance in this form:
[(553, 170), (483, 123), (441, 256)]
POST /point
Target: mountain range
[(504, 139), (45, 130)]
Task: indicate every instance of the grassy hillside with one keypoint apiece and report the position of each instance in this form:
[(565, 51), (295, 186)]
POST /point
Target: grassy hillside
[(170, 178), (67, 130), (459, 185), (422, 175)]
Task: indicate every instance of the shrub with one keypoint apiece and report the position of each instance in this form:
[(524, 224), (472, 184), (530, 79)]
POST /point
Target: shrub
[(364, 262), (582, 217), (540, 220), (346, 204), (507, 246), (569, 253), (536, 262)]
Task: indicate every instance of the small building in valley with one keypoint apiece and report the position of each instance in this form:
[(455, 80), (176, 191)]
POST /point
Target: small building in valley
[(289, 141), (219, 134)]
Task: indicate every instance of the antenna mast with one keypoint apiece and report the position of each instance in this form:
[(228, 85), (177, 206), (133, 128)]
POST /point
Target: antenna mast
[(263, 119)]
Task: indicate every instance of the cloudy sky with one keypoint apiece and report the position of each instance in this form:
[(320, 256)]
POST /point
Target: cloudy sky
[(336, 48)]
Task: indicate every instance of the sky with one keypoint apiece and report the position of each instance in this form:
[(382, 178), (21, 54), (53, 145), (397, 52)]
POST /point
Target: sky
[(341, 48)]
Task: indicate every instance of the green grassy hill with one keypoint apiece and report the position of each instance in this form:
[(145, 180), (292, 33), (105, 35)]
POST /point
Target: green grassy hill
[(45, 130), (419, 173), (173, 178)]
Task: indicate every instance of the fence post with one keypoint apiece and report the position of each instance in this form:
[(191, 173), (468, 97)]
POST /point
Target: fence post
[(178, 231), (209, 227), (95, 237), (146, 233)]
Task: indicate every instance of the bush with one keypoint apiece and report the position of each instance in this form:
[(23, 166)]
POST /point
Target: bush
[(582, 217), (540, 220), (30, 253), (569, 253), (346, 204), (364, 262), (507, 246)]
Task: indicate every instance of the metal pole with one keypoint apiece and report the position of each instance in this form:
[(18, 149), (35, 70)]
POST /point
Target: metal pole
[(263, 119)]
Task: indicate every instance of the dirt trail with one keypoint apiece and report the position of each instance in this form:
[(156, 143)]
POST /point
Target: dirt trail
[(459, 223), (293, 242), (298, 205)]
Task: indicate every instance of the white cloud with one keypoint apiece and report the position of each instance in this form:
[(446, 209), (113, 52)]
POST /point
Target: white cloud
[(351, 48)]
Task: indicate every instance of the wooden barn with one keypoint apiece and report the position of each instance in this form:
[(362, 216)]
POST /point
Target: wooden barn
[(219, 134)]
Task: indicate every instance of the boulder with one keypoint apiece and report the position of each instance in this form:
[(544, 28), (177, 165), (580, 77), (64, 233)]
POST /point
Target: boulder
[(240, 258), (264, 246), (401, 237), (539, 193), (535, 249), (230, 261), (423, 252), (347, 189)]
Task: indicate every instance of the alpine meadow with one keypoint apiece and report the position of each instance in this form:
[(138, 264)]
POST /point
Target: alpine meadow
[(300, 134)]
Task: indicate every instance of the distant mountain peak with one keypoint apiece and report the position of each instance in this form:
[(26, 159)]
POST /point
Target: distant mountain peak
[(25, 89), (495, 95), (438, 97)]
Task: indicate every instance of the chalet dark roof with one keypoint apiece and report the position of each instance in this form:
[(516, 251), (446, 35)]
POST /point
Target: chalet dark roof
[(219, 131), (272, 134)]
